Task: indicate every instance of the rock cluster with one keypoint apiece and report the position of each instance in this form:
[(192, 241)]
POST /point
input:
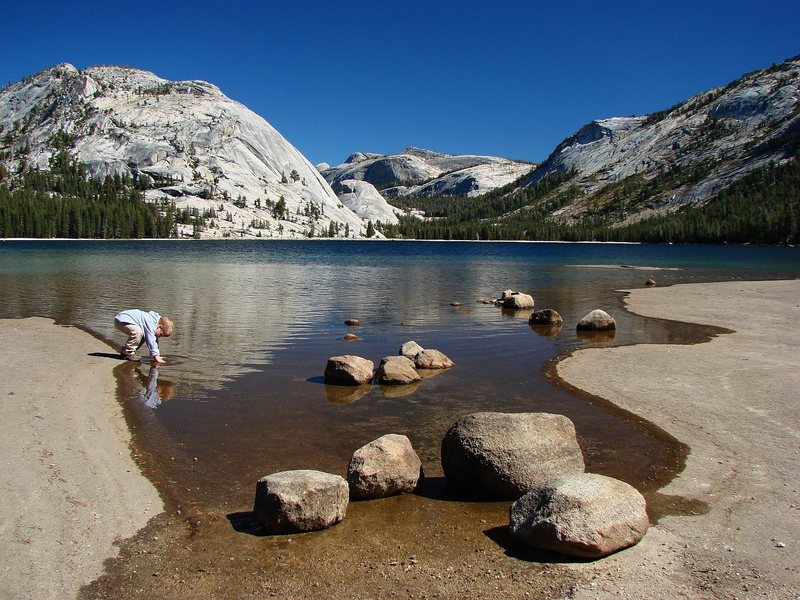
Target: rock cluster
[(309, 500), (400, 369), (531, 458)]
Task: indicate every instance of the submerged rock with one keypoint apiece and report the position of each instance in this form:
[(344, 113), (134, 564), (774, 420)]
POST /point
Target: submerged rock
[(303, 500), (582, 514), (384, 467), (348, 370), (503, 455), (597, 320)]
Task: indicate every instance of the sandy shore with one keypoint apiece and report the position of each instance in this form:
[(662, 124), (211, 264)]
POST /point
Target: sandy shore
[(70, 488), (735, 401), (71, 492)]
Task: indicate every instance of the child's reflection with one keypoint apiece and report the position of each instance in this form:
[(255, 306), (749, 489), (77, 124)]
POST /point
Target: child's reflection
[(155, 390)]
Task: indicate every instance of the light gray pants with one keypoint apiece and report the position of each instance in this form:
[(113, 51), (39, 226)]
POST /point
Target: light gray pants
[(135, 336)]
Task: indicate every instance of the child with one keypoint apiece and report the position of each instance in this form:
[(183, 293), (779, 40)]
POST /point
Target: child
[(142, 327)]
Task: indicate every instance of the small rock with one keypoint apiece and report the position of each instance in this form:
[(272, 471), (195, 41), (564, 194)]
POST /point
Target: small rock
[(410, 349), (352, 322), (350, 337), (384, 467), (432, 359), (650, 282), (547, 316), (597, 320), (516, 300), (454, 303), (303, 500), (397, 370), (348, 370)]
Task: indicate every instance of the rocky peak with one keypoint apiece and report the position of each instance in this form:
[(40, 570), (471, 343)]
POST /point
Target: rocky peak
[(199, 148)]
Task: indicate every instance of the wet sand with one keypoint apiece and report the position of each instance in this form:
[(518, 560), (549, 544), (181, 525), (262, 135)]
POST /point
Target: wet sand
[(733, 400)]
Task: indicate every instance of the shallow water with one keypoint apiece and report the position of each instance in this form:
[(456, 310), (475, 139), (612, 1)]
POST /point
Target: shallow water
[(256, 321)]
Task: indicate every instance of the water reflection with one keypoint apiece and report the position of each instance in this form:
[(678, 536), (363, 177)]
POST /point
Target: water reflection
[(155, 389), (256, 322)]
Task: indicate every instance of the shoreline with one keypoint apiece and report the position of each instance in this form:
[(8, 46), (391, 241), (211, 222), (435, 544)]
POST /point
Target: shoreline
[(733, 400), (71, 491)]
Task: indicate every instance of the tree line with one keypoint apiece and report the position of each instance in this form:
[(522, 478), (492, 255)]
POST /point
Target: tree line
[(65, 202)]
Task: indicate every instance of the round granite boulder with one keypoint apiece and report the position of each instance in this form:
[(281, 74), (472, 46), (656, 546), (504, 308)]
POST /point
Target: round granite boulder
[(582, 514), (384, 467), (297, 501), (348, 370), (597, 320), (504, 455)]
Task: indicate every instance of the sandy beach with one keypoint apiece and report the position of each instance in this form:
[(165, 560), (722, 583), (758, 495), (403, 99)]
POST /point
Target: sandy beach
[(72, 494), (734, 401)]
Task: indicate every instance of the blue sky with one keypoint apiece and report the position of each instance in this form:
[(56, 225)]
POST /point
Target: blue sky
[(500, 78)]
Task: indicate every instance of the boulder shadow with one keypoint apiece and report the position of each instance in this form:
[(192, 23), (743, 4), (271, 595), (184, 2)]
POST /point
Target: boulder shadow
[(515, 549), (246, 522)]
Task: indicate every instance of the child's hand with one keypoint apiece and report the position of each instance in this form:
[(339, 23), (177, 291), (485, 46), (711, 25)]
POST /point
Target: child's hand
[(160, 360)]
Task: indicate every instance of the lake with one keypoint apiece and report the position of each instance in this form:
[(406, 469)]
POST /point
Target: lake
[(255, 322)]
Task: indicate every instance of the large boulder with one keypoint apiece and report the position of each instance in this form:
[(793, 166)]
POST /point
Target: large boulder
[(504, 455), (597, 320), (397, 370), (410, 349), (516, 300), (546, 316), (296, 501), (432, 359), (583, 514), (348, 370), (384, 467)]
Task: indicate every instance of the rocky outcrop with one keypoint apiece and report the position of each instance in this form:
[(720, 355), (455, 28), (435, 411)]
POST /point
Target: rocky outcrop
[(583, 514), (348, 370), (503, 455), (364, 200), (384, 467), (297, 501), (419, 172), (597, 320), (397, 370)]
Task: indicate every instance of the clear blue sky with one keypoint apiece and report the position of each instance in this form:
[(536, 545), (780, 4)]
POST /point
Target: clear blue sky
[(500, 78)]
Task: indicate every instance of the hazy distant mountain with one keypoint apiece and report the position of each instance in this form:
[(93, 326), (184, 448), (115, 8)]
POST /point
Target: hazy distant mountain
[(186, 139), (630, 168), (418, 172)]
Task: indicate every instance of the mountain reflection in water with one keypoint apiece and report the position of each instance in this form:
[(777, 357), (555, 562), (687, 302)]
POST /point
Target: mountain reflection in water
[(256, 321)]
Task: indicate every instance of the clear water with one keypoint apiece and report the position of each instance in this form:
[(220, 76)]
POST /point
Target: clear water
[(255, 322)]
